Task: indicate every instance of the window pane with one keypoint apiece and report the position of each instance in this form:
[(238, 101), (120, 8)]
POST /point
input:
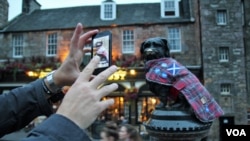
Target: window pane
[(225, 89), (221, 17), (128, 41), (52, 44), (224, 54), (174, 39), (108, 11), (17, 45), (145, 106), (169, 8)]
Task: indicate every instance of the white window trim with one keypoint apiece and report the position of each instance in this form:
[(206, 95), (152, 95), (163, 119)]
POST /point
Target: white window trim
[(226, 20), (47, 44), (225, 92), (224, 60), (176, 3), (128, 52), (103, 10), (19, 45), (176, 50)]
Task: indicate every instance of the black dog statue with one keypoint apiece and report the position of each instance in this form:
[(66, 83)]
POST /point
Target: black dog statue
[(174, 84), (156, 48)]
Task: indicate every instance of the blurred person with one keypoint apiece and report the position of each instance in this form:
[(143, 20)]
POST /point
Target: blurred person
[(109, 132), (123, 120), (80, 105), (128, 132)]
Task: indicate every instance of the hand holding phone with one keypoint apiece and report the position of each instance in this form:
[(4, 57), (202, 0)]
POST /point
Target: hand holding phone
[(102, 46)]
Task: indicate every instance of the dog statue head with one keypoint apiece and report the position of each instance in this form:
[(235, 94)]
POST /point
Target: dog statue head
[(154, 48)]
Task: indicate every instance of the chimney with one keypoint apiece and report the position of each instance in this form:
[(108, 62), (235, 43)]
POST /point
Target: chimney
[(4, 12), (29, 6)]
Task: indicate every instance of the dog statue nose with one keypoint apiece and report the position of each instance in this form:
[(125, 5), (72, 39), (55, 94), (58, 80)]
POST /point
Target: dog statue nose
[(149, 50)]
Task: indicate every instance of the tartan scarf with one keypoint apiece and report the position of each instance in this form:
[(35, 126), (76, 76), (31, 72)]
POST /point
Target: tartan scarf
[(168, 71)]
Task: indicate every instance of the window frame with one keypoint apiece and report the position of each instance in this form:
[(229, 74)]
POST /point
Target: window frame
[(17, 45), (224, 54), (225, 89), (173, 38), (112, 10), (128, 44), (221, 17), (53, 44), (175, 9)]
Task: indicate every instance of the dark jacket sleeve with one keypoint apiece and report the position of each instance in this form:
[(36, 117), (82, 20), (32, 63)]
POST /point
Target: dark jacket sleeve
[(21, 105), (57, 128)]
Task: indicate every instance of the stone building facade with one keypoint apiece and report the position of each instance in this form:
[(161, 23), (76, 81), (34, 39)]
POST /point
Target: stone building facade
[(4, 6), (246, 37), (213, 39), (225, 49)]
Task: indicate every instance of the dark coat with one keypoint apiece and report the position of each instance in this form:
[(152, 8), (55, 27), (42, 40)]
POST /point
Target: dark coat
[(21, 105)]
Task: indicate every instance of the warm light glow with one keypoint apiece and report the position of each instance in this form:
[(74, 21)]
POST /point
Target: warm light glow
[(153, 100), (121, 99), (118, 75), (113, 25), (132, 72), (44, 73), (32, 74)]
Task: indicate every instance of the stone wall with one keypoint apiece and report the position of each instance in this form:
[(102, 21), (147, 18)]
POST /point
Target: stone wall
[(247, 44), (4, 7), (232, 72)]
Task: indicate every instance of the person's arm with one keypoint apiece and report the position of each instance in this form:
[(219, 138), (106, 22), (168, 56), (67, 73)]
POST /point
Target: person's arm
[(21, 105), (79, 108), (57, 128)]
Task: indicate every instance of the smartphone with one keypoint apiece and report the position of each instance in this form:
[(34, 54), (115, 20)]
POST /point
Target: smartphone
[(102, 46)]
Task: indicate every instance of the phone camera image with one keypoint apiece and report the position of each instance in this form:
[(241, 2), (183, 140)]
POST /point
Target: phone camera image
[(101, 49), (101, 46)]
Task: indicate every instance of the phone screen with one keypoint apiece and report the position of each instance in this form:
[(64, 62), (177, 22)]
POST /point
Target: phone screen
[(102, 47)]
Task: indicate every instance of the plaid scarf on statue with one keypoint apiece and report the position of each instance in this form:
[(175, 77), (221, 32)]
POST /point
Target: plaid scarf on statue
[(167, 71)]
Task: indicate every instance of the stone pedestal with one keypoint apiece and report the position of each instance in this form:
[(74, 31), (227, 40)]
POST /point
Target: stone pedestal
[(176, 125)]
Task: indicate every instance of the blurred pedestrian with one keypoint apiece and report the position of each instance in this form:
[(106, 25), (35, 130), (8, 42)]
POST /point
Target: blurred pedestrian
[(110, 132), (128, 132), (122, 120)]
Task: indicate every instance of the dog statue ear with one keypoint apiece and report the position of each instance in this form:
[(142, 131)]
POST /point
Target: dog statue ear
[(166, 46), (142, 47)]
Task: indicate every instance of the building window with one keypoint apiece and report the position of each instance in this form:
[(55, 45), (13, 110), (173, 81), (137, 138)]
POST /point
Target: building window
[(17, 45), (145, 106), (225, 89), (170, 8), (118, 109), (51, 44), (108, 10), (128, 41), (174, 38), (223, 54), (221, 17)]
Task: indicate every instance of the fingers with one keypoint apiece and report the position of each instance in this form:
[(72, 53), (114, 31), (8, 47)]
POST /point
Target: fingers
[(105, 104), (86, 74), (106, 90), (103, 76), (86, 37), (78, 40), (76, 35)]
